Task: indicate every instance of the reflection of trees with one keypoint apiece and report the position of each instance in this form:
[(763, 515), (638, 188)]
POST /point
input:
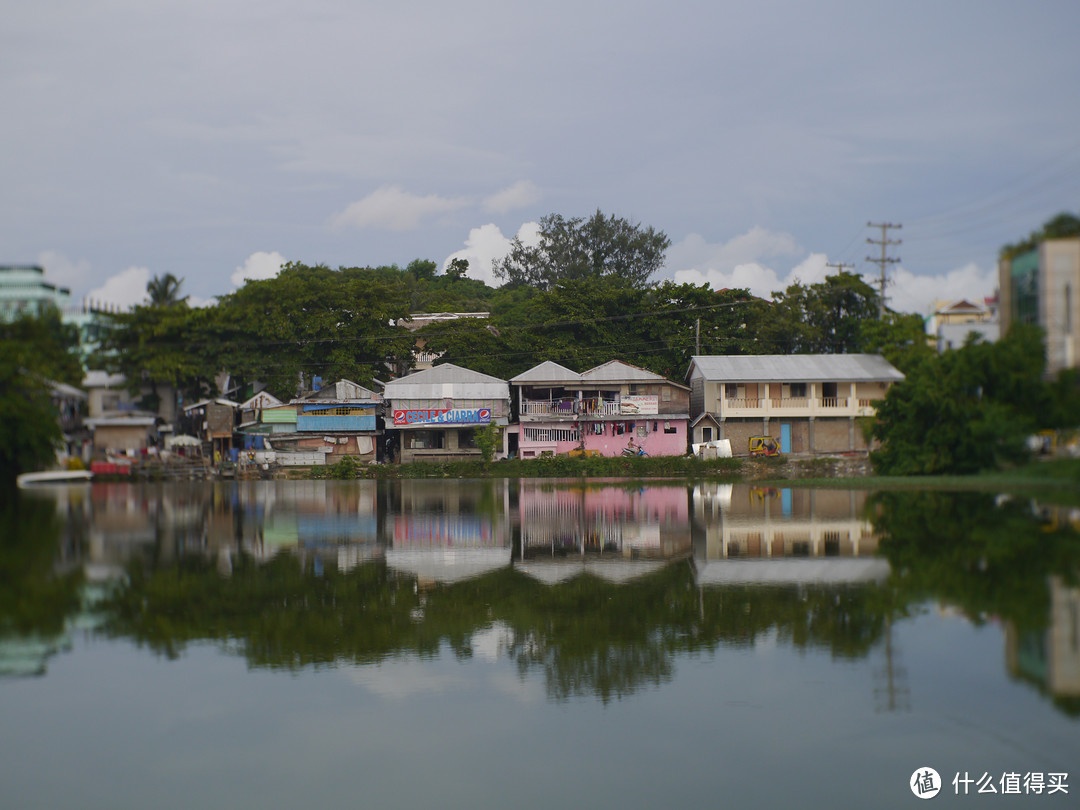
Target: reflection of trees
[(586, 636), (987, 558), (37, 596), (984, 557)]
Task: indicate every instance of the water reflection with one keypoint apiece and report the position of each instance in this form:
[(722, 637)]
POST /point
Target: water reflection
[(599, 587)]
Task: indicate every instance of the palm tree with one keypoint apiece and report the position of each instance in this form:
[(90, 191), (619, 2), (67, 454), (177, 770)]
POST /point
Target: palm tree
[(164, 291)]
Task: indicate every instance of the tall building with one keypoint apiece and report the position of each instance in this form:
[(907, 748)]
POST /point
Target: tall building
[(24, 291), (1042, 287)]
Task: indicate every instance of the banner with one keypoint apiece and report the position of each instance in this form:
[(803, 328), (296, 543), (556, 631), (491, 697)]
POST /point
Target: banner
[(444, 416), (644, 405)]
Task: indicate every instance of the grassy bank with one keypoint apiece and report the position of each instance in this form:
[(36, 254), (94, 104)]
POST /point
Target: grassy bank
[(546, 467)]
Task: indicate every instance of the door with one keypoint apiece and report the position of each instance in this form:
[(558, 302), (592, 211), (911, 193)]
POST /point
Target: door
[(785, 438)]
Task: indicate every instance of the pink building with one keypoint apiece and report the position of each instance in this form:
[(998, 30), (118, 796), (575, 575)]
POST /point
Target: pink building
[(612, 409)]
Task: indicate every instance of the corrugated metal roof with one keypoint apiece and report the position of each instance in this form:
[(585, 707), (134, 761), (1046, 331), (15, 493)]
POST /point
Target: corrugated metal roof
[(618, 371), (795, 368), (447, 381), (343, 391), (547, 372)]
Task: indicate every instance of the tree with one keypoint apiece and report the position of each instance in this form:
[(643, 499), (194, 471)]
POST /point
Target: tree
[(29, 431), (164, 291), (311, 320), (820, 318), (577, 248), (457, 269), (422, 269), (33, 351), (964, 410)]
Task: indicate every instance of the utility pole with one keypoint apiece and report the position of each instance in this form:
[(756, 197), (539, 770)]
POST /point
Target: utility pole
[(885, 260), (840, 266)]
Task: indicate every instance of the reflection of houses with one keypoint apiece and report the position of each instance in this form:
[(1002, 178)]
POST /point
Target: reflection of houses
[(606, 409), (606, 530), (437, 412), (1051, 659), (809, 403), (754, 534), (449, 534), (334, 420)]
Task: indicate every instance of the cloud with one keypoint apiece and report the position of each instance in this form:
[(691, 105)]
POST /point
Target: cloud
[(519, 195), (257, 266), (125, 289), (393, 208), (59, 269), (757, 244), (753, 261), (486, 245), (907, 292)]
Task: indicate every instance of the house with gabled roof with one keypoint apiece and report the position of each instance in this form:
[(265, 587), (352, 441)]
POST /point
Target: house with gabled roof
[(808, 402), (612, 409), (335, 420), (435, 413)]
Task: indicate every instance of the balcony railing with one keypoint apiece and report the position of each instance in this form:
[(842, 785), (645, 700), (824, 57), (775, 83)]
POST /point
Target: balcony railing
[(569, 408), (797, 406)]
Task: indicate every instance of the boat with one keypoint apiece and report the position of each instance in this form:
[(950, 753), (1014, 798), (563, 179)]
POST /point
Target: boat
[(54, 477)]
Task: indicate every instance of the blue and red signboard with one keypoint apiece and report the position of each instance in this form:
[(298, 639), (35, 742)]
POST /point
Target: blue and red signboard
[(443, 416)]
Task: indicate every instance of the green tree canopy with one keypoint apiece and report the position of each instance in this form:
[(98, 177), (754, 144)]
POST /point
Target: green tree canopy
[(964, 410), (577, 248)]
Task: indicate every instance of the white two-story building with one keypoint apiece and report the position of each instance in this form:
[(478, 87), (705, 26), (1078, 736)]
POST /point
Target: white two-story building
[(808, 402)]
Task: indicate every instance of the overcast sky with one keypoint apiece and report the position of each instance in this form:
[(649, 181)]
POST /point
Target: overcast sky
[(213, 140)]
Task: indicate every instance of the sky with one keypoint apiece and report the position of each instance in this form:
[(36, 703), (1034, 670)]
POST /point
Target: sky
[(216, 140)]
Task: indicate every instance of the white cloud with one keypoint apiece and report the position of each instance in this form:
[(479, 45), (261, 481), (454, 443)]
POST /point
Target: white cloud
[(519, 195), (259, 265), (694, 253), (125, 289), (908, 292), (393, 208), (486, 245), (59, 269)]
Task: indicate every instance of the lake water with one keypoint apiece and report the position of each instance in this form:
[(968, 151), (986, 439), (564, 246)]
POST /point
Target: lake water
[(521, 644)]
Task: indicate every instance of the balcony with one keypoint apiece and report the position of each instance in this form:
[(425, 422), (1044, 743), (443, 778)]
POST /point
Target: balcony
[(795, 407)]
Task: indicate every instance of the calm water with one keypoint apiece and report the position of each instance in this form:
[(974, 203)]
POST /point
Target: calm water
[(527, 644)]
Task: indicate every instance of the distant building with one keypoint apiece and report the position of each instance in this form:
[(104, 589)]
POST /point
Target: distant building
[(333, 421), (24, 291), (953, 321), (422, 358), (1042, 287), (436, 412), (807, 402)]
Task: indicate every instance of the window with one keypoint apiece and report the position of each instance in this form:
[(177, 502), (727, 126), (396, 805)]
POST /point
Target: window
[(670, 428), (731, 390), (706, 434), (425, 439), (798, 390), (665, 394)]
